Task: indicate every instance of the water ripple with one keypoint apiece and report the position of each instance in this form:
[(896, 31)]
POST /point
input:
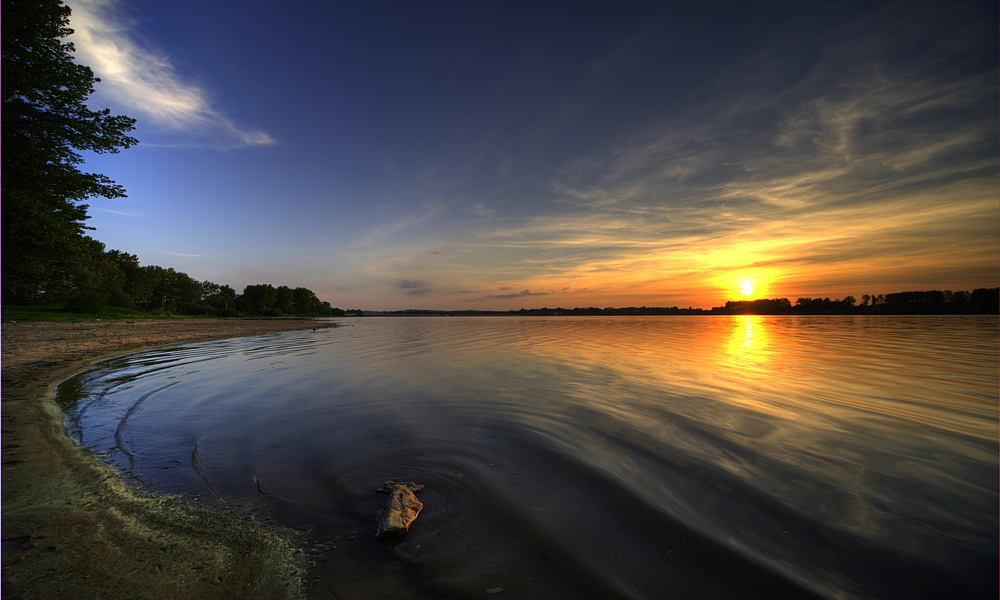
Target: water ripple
[(643, 457)]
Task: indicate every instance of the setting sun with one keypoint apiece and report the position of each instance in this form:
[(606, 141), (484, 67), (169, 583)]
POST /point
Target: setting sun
[(747, 288)]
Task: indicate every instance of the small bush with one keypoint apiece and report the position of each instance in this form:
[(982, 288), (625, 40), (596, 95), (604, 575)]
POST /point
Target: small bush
[(201, 309), (119, 299), (87, 302)]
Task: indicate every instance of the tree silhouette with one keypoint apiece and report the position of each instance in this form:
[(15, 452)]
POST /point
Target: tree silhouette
[(46, 123)]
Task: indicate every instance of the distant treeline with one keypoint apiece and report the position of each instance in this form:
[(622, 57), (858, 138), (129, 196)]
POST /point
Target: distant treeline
[(983, 301), (935, 302), (112, 278), (543, 312)]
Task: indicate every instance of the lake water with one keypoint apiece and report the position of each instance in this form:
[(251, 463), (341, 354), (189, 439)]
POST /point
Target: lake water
[(588, 457)]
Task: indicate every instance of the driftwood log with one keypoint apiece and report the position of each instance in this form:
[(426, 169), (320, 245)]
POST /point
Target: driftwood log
[(400, 510)]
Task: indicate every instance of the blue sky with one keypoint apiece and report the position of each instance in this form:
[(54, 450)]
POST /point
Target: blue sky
[(459, 155)]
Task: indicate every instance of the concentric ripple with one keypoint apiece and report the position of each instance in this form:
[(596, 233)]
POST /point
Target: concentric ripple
[(646, 457)]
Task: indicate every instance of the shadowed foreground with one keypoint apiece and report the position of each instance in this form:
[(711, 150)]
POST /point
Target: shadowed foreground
[(73, 529)]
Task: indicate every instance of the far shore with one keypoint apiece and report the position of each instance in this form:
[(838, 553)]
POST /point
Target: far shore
[(73, 529)]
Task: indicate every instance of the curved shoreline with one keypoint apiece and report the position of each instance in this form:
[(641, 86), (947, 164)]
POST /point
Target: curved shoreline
[(73, 529)]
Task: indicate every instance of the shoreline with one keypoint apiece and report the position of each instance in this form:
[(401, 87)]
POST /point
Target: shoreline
[(73, 529)]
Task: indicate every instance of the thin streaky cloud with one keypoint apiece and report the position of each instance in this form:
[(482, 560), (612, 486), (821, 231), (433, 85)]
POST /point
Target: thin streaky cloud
[(145, 84), (825, 150), (121, 212), (184, 255)]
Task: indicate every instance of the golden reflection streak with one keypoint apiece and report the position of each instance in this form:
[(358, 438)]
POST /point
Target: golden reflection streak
[(768, 364), (749, 339)]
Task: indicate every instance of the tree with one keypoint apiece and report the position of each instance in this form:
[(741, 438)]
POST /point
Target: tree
[(208, 289), (261, 296), (45, 123), (284, 299), (223, 297), (987, 300), (305, 300), (186, 291), (149, 289)]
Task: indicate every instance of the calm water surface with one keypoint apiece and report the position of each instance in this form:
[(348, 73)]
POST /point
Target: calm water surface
[(578, 457)]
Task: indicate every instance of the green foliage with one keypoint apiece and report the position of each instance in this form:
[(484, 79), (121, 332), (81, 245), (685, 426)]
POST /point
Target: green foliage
[(35, 313), (46, 258), (158, 288), (304, 300), (46, 123), (117, 298), (96, 300), (220, 297), (284, 299), (260, 297), (93, 301), (104, 280)]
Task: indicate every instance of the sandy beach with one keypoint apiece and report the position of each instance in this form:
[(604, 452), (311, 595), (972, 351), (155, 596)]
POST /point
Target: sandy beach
[(73, 529)]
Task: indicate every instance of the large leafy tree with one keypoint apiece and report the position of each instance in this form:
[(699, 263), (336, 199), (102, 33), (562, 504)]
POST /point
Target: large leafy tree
[(261, 296), (304, 299), (46, 123), (284, 299)]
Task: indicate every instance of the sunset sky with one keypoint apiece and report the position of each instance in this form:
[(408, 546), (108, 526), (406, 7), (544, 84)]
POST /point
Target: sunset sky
[(504, 154)]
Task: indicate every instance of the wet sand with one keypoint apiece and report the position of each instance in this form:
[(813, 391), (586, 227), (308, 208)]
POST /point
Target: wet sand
[(73, 529)]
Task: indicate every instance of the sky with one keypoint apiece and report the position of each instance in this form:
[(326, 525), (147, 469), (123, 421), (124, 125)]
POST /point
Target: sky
[(503, 154)]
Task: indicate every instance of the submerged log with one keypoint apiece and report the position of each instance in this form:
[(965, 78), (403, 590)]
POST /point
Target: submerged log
[(401, 509)]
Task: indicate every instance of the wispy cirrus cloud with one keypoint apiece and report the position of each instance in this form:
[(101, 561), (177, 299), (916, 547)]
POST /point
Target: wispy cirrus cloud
[(184, 255), (823, 177), (842, 177), (120, 212), (849, 168), (146, 85)]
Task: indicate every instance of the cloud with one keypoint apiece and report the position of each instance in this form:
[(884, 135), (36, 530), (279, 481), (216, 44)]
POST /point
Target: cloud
[(184, 255), (122, 213), (847, 165), (847, 159), (521, 294), (144, 84), (481, 210), (414, 287), (408, 284), (398, 220)]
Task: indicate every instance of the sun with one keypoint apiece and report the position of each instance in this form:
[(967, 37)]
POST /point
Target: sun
[(747, 288)]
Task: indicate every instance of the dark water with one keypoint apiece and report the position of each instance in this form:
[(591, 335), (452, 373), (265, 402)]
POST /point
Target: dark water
[(574, 457)]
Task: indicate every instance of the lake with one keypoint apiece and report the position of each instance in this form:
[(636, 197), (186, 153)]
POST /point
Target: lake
[(588, 457)]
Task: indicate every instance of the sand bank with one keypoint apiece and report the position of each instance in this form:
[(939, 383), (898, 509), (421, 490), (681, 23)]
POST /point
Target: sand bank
[(73, 529)]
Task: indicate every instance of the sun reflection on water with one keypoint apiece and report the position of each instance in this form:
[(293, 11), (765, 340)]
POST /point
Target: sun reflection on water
[(730, 427), (748, 338)]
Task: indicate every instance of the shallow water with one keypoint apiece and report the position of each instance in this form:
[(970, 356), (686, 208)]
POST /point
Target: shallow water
[(579, 457)]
